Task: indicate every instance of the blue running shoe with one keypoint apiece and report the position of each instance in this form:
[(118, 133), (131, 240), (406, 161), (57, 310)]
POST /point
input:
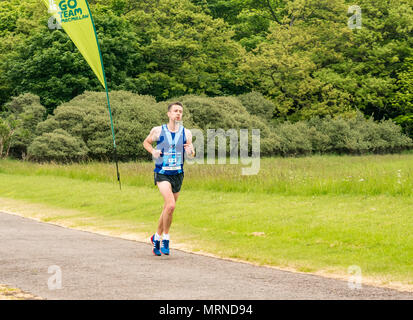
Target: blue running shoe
[(165, 247), (156, 245)]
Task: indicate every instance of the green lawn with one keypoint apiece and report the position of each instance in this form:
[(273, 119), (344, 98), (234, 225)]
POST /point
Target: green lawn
[(315, 213)]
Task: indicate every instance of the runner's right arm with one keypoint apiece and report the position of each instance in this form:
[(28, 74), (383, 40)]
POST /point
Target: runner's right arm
[(150, 139)]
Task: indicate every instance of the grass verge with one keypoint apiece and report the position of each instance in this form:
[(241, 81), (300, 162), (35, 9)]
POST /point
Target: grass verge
[(318, 233)]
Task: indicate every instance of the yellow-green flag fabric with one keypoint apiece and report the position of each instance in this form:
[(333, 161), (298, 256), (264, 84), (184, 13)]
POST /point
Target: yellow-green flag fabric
[(75, 18)]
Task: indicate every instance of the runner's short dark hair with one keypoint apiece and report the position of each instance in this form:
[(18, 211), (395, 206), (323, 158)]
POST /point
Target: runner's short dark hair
[(175, 104)]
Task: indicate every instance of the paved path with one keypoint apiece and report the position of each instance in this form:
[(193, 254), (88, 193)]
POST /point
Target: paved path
[(101, 267)]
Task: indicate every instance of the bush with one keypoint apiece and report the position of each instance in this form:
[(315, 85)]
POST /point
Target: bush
[(86, 117), (294, 138), (228, 113), (406, 122), (354, 135), (58, 145), (84, 124), (256, 104), (17, 104), (391, 133), (28, 111), (8, 128)]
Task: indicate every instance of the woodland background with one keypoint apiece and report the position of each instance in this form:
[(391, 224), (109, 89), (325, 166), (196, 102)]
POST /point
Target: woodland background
[(292, 68)]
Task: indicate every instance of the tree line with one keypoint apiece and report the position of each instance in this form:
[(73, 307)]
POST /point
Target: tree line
[(79, 129), (301, 55)]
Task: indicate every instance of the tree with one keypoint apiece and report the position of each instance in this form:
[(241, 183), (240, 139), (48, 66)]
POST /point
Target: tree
[(18, 20), (28, 111), (311, 63), (285, 69), (300, 54), (163, 49), (378, 53), (8, 128), (48, 63), (185, 51), (403, 100)]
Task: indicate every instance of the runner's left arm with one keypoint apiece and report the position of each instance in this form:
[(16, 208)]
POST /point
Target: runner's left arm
[(189, 148)]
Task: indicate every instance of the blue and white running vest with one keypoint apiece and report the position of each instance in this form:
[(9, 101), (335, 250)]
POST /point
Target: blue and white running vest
[(171, 144)]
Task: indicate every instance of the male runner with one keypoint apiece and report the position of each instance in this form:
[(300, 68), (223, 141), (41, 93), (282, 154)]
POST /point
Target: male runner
[(172, 139)]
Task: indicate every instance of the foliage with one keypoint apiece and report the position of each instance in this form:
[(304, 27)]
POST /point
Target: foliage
[(58, 145), (86, 117), (49, 65), (84, 124), (228, 113), (313, 64), (355, 135), (29, 112), (298, 59), (21, 118), (403, 100), (8, 128), (164, 50), (258, 105), (185, 51)]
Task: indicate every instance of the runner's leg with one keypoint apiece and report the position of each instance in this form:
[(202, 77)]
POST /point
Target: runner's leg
[(170, 198), (176, 195), (168, 218)]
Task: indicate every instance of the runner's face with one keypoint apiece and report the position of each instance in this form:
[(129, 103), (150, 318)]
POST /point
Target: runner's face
[(175, 113)]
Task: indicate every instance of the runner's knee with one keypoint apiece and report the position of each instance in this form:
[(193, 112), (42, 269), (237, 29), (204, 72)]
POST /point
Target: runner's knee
[(170, 207)]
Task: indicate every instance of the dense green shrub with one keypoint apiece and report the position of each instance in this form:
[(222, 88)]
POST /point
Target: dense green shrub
[(84, 125), (7, 130), (406, 122), (356, 135), (294, 138), (258, 105), (58, 145), (28, 112), (228, 113), (87, 118), (391, 133)]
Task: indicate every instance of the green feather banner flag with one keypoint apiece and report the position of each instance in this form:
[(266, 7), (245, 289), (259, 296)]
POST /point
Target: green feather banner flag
[(75, 18)]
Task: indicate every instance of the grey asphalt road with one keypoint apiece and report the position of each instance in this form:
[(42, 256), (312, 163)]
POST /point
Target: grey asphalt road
[(101, 267)]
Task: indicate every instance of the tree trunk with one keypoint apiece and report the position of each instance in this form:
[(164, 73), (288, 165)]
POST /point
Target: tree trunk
[(9, 145), (8, 150), (272, 12), (1, 148)]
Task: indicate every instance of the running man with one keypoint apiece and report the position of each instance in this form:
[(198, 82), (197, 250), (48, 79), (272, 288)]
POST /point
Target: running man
[(172, 140)]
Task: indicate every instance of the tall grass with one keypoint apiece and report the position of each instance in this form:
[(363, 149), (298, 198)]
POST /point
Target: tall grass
[(315, 175)]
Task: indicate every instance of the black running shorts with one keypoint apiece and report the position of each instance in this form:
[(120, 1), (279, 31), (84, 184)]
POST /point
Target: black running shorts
[(175, 180)]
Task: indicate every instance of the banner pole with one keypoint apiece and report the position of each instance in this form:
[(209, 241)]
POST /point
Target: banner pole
[(107, 98)]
